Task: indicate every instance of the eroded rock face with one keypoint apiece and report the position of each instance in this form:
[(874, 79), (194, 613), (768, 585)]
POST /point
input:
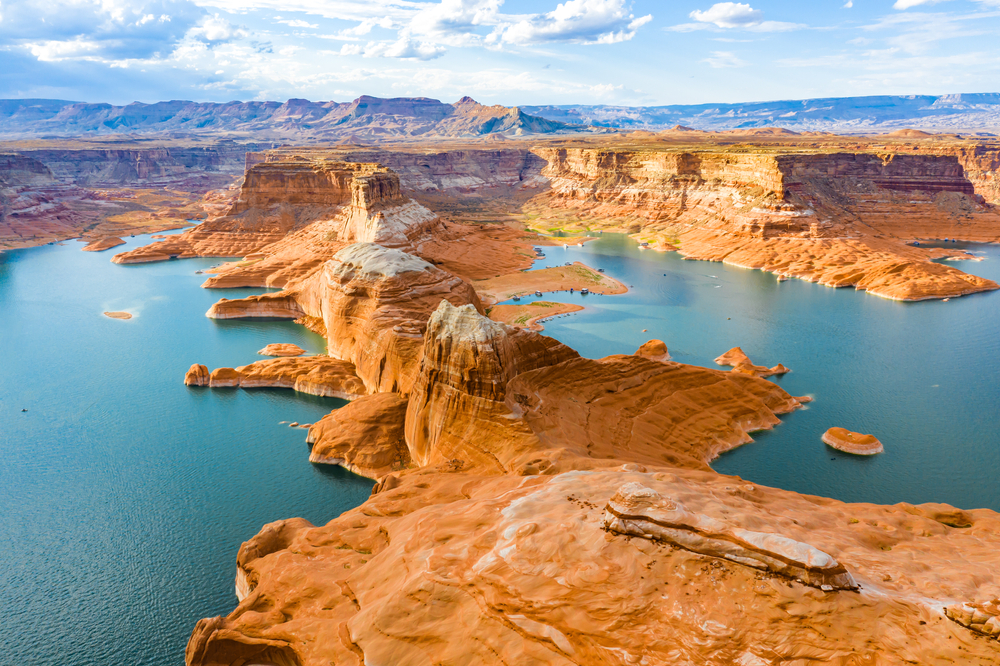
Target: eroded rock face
[(346, 201), (741, 364), (983, 618), (524, 570), (654, 350), (366, 436), (457, 406), (316, 375), (837, 219), (197, 375), (639, 511), (632, 409)]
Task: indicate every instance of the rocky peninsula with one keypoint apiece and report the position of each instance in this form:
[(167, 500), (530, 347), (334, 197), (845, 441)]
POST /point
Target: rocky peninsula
[(534, 506)]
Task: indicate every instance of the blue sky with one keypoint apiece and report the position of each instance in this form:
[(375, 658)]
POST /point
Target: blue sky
[(497, 51)]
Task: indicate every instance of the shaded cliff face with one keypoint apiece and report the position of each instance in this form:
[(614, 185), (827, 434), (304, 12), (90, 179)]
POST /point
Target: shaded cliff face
[(839, 219), (349, 202), (53, 192), (457, 408)]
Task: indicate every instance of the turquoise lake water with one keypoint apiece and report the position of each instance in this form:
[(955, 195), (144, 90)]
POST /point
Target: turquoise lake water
[(124, 494), (922, 377)]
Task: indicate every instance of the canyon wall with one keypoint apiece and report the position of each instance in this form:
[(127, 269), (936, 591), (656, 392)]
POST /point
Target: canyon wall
[(840, 219)]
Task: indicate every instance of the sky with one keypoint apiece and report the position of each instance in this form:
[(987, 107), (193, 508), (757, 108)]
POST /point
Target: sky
[(512, 52)]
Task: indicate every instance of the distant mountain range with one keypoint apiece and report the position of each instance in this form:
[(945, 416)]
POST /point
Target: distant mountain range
[(366, 118), (374, 119), (978, 112)]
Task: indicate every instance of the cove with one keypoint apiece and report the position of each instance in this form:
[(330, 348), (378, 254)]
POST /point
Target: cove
[(124, 494), (922, 377)]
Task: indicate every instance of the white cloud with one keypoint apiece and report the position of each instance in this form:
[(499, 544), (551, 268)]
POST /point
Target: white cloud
[(297, 23), (729, 15), (54, 50), (725, 59), (216, 29), (733, 15), (848, 4), (907, 4), (404, 47), (579, 21)]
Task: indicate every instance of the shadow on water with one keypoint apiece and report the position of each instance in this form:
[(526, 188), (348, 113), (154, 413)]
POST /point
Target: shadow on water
[(125, 494)]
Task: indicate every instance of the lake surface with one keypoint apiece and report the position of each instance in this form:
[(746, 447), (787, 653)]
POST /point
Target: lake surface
[(922, 377), (125, 495)]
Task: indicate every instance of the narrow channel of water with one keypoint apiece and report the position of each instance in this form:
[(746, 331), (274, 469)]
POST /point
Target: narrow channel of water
[(923, 377), (124, 494)]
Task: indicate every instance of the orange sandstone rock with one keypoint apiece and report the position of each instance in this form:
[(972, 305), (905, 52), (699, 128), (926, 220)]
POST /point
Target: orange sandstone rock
[(197, 375), (530, 315), (366, 436), (457, 405), (742, 364), (224, 378), (282, 349), (102, 244), (654, 350), (374, 303), (852, 442), (118, 315), (560, 278)]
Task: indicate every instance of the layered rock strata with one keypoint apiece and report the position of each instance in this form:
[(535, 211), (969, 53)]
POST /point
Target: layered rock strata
[(634, 409), (827, 218), (374, 303), (316, 375), (366, 436), (457, 406), (639, 511), (351, 201), (983, 618)]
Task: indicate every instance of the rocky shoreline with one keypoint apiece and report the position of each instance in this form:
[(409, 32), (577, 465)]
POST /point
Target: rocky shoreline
[(548, 508)]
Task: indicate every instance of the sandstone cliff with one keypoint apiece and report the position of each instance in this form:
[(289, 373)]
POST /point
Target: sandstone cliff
[(838, 219), (373, 302)]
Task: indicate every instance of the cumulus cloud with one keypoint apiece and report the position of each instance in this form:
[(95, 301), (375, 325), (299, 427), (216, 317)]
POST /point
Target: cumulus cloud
[(733, 16), (580, 21), (101, 29), (216, 29), (729, 15)]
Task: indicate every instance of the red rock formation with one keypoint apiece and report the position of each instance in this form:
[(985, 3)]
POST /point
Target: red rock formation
[(197, 375), (316, 375), (102, 244), (374, 303), (457, 408), (349, 201), (825, 218), (654, 350), (366, 436), (523, 570), (282, 349), (852, 442), (742, 364)]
